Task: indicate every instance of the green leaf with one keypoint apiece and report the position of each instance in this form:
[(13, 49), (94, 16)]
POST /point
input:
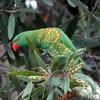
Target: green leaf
[(66, 84), (48, 2), (10, 52), (32, 58), (37, 92), (24, 72), (87, 79), (71, 3), (55, 81), (79, 4), (24, 78), (58, 91), (8, 88), (11, 26), (81, 42), (4, 37), (50, 96), (1, 98), (39, 59), (59, 62), (27, 91)]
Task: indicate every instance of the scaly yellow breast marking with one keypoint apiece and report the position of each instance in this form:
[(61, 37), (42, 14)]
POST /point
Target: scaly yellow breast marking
[(52, 34)]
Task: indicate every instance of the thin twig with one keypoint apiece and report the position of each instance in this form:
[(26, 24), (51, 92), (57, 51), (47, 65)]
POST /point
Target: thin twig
[(95, 17), (95, 6), (9, 11)]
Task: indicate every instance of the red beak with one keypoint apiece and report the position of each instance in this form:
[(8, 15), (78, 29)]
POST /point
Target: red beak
[(15, 46)]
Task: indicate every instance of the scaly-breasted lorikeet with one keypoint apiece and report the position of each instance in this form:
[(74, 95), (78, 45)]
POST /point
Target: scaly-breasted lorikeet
[(52, 39)]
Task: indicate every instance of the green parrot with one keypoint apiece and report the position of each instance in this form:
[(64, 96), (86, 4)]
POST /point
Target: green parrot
[(55, 42), (46, 38), (52, 40)]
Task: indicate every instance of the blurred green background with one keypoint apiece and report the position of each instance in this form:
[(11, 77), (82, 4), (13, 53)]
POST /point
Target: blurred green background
[(79, 19)]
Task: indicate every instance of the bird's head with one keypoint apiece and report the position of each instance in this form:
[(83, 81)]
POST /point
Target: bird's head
[(19, 42), (15, 46)]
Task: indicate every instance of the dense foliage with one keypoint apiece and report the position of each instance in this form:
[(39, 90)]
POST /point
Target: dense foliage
[(20, 78)]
